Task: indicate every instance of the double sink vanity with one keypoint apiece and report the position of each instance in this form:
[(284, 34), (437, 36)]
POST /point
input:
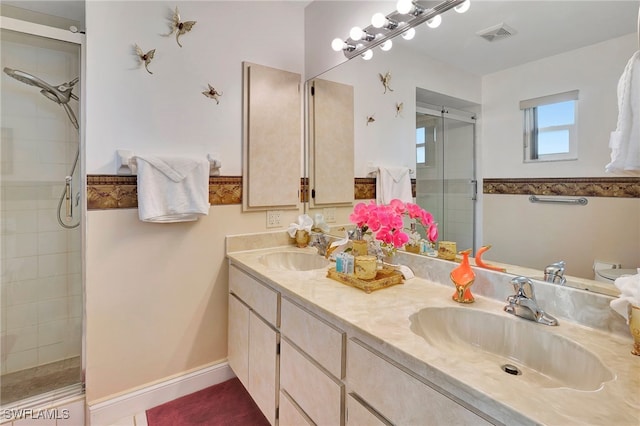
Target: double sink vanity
[(311, 350)]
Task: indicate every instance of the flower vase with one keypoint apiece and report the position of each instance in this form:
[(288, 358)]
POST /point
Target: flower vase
[(462, 277), (634, 327)]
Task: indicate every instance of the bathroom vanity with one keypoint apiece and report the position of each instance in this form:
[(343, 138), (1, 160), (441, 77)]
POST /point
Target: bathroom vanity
[(311, 350)]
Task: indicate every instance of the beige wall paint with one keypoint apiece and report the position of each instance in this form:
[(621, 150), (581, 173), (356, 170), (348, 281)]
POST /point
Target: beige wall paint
[(156, 301)]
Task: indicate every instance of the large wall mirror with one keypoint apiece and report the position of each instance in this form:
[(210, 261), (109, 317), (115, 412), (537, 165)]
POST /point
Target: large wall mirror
[(469, 76)]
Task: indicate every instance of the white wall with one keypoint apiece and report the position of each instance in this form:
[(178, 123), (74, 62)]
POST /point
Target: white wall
[(593, 70), (157, 293), (534, 235), (390, 140)]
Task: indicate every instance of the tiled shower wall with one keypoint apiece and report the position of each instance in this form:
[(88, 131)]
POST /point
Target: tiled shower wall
[(41, 298)]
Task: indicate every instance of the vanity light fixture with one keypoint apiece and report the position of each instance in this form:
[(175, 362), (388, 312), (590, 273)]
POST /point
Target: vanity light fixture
[(386, 46), (409, 14), (368, 54), (434, 22)]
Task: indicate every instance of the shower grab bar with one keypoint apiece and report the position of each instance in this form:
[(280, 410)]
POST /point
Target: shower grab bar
[(580, 201), (126, 163)]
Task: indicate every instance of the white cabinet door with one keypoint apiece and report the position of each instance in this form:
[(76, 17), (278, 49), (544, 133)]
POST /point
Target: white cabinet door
[(398, 395), (318, 394), (238, 339), (263, 366), (360, 415)]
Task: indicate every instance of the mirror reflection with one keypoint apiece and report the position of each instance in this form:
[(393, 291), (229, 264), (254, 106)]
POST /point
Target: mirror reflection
[(468, 76)]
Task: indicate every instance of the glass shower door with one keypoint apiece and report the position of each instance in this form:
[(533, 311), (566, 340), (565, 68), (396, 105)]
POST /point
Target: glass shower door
[(41, 304), (445, 173)]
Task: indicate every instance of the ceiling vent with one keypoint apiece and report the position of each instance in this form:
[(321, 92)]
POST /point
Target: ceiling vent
[(496, 32)]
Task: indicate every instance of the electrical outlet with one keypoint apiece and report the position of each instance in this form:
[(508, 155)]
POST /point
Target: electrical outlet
[(329, 214), (274, 218)]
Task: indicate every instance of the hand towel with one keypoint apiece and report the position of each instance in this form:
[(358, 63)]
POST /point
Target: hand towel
[(393, 183), (172, 189), (625, 140)]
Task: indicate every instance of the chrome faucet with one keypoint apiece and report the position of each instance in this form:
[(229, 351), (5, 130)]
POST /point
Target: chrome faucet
[(554, 273), (320, 241), (523, 304)]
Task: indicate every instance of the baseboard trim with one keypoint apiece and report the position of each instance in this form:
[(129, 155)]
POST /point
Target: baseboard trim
[(108, 412)]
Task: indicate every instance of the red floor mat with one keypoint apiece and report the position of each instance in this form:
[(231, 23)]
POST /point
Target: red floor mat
[(226, 403)]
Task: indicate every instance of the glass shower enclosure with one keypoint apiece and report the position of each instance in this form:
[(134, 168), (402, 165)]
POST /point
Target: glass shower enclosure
[(41, 303), (445, 172)]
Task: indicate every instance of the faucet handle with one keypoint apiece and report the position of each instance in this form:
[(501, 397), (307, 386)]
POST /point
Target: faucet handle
[(523, 287)]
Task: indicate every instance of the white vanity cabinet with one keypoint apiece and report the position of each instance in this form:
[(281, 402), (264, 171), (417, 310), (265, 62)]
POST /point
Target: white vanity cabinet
[(380, 392), (254, 339), (312, 366)]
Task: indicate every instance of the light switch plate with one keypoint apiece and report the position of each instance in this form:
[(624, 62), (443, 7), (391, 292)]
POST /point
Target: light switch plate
[(329, 214)]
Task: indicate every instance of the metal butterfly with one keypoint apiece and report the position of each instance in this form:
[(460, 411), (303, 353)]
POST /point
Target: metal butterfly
[(212, 93), (179, 27), (145, 57), (370, 119), (399, 107), (386, 81)]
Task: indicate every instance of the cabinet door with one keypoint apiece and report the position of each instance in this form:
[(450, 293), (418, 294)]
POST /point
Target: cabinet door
[(398, 395), (318, 394), (331, 143), (238, 339), (360, 415), (272, 138), (263, 366)]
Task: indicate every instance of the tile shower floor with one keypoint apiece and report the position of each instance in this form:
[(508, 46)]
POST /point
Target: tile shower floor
[(37, 380)]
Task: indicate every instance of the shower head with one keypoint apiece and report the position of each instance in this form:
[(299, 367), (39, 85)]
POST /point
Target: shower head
[(60, 93)]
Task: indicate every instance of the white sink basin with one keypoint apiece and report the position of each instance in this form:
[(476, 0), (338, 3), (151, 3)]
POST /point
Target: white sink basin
[(294, 261), (542, 357)]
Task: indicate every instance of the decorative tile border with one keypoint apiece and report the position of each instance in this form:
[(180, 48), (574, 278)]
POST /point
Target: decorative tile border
[(120, 192), (616, 187)]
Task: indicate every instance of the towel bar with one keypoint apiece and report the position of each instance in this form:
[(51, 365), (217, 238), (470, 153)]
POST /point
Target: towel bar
[(126, 163), (372, 170), (581, 201)]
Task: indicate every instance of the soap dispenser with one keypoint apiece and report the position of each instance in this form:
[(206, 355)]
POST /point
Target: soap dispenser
[(462, 277)]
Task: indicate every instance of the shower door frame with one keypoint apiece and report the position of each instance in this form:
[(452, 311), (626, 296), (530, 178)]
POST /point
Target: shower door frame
[(33, 29)]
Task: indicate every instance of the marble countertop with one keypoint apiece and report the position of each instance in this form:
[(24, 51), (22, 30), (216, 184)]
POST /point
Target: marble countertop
[(384, 317)]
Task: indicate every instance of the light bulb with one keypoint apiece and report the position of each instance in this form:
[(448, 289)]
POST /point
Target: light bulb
[(434, 22), (463, 7), (367, 55), (387, 45), (337, 44), (409, 34), (404, 6), (356, 33), (378, 20)]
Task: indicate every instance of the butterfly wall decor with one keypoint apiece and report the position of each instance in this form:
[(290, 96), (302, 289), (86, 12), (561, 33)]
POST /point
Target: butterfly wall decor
[(179, 27), (399, 108), (386, 81), (145, 57), (212, 93)]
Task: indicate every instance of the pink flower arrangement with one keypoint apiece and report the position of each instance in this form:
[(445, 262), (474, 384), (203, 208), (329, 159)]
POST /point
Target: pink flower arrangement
[(386, 221)]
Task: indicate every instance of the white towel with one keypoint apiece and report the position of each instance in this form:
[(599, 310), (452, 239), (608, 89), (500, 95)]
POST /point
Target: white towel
[(629, 286), (393, 182), (625, 140), (172, 189)]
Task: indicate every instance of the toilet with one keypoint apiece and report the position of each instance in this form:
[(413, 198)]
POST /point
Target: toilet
[(608, 272)]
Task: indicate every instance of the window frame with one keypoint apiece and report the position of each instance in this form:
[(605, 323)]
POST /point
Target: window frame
[(531, 129)]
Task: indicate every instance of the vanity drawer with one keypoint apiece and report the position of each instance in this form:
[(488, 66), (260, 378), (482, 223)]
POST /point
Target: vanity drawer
[(358, 414), (262, 299), (399, 396), (316, 393), (290, 414), (320, 340)]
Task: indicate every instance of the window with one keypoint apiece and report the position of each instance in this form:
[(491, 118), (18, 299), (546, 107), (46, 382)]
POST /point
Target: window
[(550, 127), (421, 150)]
